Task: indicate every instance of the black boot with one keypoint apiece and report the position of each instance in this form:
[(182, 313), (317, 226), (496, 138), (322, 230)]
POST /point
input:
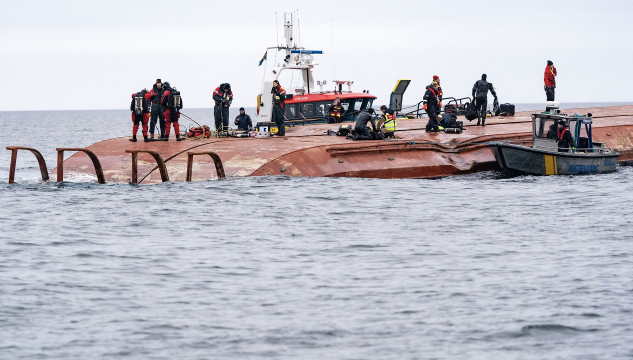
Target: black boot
[(478, 121), (178, 138), (483, 122), (133, 139), (145, 138), (165, 137)]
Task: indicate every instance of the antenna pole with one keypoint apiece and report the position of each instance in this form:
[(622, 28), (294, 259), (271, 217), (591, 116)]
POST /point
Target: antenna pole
[(333, 59), (277, 29)]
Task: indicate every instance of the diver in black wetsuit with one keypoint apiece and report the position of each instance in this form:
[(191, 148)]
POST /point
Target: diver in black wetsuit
[(480, 94)]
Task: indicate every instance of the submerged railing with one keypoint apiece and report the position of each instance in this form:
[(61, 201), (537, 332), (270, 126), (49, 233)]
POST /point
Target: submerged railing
[(159, 161), (14, 157), (219, 168), (91, 155)]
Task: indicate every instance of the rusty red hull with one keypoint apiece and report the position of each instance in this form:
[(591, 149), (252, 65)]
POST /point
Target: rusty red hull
[(309, 151)]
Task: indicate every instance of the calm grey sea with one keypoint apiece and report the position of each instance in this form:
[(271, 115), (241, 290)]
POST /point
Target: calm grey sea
[(469, 267)]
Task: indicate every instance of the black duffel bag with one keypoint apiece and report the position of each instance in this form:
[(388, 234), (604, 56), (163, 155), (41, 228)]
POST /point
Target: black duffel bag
[(471, 111)]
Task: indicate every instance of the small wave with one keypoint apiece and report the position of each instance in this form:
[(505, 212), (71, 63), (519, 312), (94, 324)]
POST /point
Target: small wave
[(360, 246), (551, 331)]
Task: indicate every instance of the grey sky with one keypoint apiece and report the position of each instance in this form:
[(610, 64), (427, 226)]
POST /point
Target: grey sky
[(94, 55)]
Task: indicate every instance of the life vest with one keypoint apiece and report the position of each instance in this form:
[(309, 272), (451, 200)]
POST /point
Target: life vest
[(439, 88), (391, 124), (562, 133), (336, 112), (279, 95)]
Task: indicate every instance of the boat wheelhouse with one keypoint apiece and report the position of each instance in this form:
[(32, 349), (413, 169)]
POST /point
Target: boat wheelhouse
[(305, 103)]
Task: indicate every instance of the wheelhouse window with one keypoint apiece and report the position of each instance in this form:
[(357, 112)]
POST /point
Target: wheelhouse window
[(358, 104), (307, 110), (322, 108), (345, 103), (545, 128), (291, 111), (548, 128)]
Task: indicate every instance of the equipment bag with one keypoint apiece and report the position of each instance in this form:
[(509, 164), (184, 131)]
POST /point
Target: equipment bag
[(506, 109), (450, 121), (344, 130), (202, 131), (471, 111)]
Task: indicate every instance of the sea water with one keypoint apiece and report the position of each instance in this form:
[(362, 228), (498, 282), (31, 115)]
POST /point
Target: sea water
[(466, 267)]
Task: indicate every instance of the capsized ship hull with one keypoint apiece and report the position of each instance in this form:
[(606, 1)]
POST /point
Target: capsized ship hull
[(309, 151)]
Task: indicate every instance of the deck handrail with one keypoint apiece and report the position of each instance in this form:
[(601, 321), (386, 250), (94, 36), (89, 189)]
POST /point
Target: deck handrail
[(219, 168), (14, 157), (91, 155), (159, 161)]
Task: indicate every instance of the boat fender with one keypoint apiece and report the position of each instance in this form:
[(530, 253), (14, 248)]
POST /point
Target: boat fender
[(453, 130)]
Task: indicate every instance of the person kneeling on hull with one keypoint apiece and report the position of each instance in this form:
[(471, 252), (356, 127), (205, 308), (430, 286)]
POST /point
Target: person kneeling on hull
[(565, 140), (361, 129), (279, 98), (387, 122), (243, 121), (140, 113), (432, 106)]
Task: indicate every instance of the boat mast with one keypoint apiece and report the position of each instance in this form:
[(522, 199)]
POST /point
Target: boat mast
[(296, 58)]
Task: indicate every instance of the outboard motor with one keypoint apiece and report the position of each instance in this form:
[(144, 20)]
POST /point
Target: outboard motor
[(552, 107), (138, 104)]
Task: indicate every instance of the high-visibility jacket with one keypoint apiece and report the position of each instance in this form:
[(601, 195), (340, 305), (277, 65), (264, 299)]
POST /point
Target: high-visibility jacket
[(335, 111), (391, 124), (279, 96)]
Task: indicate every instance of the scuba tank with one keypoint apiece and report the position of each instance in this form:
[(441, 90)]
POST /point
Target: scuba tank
[(177, 102), (138, 104), (453, 130)]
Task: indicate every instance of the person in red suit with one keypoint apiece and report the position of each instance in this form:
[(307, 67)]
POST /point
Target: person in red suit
[(140, 113), (550, 80)]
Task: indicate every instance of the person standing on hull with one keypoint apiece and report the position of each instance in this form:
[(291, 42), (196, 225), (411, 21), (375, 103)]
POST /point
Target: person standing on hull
[(550, 80), (157, 110), (279, 98), (480, 94), (223, 97), (360, 127), (440, 94), (432, 104), (565, 139), (172, 103), (336, 110), (243, 121), (140, 113)]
